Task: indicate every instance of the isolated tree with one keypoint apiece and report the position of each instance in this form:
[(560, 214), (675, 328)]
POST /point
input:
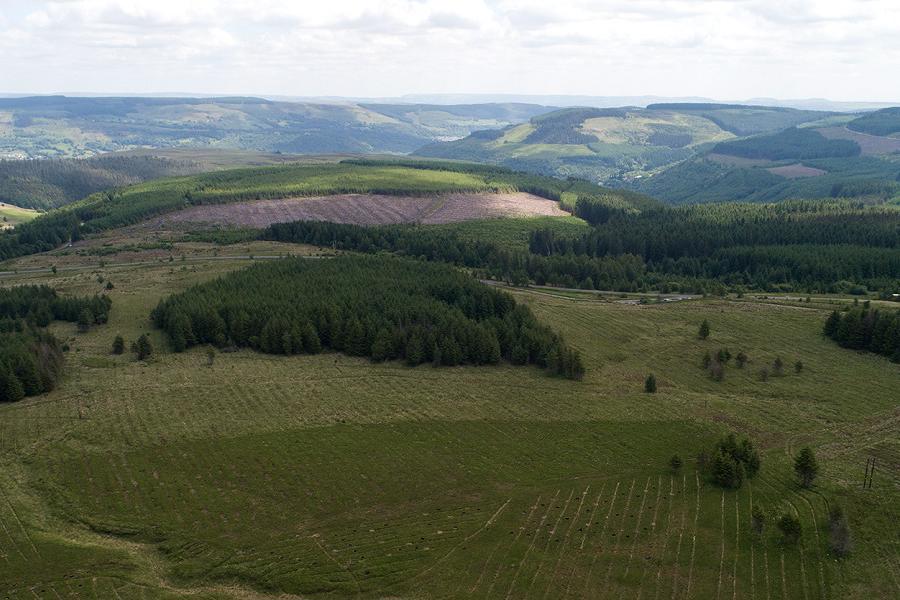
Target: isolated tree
[(757, 520), (723, 355), (118, 345), (790, 528), (650, 384), (675, 463), (704, 330), (142, 347), (839, 539), (109, 285), (741, 359), (85, 318), (806, 467), (798, 366), (778, 367)]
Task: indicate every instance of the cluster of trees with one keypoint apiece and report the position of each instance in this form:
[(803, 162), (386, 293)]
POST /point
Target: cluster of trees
[(817, 246), (791, 143), (730, 462), (865, 328), (380, 307), (40, 304), (30, 358), (492, 259)]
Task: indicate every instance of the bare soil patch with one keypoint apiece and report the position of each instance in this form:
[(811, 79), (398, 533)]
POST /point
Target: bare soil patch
[(368, 209), (869, 144), (796, 171)]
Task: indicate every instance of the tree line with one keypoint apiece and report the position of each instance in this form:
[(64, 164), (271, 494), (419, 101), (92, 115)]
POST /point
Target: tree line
[(865, 328), (380, 307)]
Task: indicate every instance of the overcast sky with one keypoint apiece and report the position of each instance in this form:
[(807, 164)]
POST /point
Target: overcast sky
[(725, 49)]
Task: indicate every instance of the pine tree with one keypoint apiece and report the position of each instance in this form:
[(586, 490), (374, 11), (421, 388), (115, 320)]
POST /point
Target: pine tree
[(650, 384), (832, 324), (704, 330), (143, 348), (415, 348), (790, 529), (10, 387), (118, 345), (741, 359), (382, 346), (806, 467), (311, 342), (85, 319)]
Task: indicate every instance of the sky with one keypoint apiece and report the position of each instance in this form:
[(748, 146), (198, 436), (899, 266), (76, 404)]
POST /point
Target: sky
[(729, 50)]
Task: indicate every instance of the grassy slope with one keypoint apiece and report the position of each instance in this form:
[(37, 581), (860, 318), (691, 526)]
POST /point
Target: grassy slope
[(11, 215), (329, 474)]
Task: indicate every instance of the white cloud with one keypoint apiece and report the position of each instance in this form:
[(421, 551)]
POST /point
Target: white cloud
[(721, 48)]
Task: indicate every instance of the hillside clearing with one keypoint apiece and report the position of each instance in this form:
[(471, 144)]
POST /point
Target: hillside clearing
[(869, 144), (796, 171), (369, 209)]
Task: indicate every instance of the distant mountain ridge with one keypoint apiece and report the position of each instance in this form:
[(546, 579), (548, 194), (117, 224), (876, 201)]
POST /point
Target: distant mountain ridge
[(62, 126)]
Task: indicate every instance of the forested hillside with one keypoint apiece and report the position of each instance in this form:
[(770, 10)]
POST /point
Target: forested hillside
[(616, 145), (805, 246), (45, 184), (879, 122)]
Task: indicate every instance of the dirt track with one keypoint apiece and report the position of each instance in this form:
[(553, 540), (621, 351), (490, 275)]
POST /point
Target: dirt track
[(367, 209)]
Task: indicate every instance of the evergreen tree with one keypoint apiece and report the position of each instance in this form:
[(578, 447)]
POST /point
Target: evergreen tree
[(704, 330), (831, 325), (382, 346), (10, 387), (741, 359), (118, 345), (142, 347), (806, 467), (311, 342), (790, 529), (650, 384), (415, 348), (85, 319)]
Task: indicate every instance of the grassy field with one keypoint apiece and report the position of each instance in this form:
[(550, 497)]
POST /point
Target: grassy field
[(263, 476), (11, 215)]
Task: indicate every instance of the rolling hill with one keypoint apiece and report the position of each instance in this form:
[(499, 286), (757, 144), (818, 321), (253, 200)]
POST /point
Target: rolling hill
[(614, 145), (59, 126)]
